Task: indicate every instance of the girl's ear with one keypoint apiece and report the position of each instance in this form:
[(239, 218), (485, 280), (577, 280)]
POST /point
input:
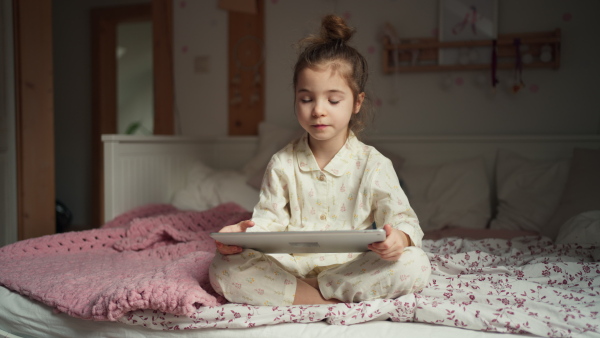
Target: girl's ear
[(359, 101)]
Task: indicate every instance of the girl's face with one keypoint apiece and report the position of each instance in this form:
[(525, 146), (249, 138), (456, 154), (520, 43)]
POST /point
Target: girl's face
[(325, 104)]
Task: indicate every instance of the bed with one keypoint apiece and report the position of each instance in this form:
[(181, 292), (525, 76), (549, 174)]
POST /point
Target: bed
[(512, 230)]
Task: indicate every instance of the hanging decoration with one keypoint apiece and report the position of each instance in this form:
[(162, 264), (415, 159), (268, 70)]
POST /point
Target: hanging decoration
[(518, 74), (494, 64)]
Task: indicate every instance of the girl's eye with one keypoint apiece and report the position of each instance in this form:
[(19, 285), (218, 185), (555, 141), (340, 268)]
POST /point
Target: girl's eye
[(334, 102), (305, 100)]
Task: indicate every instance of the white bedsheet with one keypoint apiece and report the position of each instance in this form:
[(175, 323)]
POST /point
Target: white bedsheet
[(22, 317), (527, 285)]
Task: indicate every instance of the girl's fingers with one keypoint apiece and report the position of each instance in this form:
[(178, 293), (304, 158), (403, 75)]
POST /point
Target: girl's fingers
[(245, 225), (388, 244), (240, 227), (390, 254), (228, 228), (233, 249), (388, 230), (228, 249)]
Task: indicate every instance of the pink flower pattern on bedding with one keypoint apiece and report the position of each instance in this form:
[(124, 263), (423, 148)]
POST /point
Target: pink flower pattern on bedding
[(524, 285), (149, 267)]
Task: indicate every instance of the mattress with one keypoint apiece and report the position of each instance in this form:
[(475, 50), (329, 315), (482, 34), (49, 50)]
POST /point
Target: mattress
[(23, 317)]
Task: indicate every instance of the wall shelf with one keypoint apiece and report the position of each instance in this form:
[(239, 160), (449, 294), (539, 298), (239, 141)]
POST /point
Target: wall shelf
[(421, 54)]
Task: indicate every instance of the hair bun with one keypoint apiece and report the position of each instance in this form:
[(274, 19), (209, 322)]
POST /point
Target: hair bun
[(334, 28)]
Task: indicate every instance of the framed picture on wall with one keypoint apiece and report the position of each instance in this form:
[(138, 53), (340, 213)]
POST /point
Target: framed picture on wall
[(464, 20)]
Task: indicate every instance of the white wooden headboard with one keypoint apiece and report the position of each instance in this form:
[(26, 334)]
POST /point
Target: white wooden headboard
[(149, 169)]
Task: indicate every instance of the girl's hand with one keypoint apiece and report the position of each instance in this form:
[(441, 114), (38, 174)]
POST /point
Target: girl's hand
[(233, 249), (393, 245)]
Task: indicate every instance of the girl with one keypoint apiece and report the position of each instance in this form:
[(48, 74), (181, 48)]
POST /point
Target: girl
[(327, 180)]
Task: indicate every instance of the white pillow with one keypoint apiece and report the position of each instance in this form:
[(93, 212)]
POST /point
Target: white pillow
[(528, 191), (271, 138), (191, 196), (582, 189), (452, 194), (207, 188), (581, 229)]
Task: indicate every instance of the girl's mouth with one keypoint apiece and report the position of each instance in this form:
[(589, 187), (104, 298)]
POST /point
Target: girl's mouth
[(319, 126)]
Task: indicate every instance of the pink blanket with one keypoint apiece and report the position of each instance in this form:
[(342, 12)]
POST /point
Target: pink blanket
[(154, 257)]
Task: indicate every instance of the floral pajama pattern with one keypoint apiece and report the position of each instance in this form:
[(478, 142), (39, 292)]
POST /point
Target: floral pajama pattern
[(255, 278), (357, 188)]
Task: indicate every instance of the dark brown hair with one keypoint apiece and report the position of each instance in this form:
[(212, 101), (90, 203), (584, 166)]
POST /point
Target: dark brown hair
[(330, 46)]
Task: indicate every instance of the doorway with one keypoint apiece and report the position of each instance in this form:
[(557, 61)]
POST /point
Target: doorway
[(105, 24)]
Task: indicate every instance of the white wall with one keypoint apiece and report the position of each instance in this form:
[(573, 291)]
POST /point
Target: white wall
[(555, 101), (200, 29)]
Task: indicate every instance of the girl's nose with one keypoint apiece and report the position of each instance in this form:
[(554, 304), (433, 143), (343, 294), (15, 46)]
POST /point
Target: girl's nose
[(318, 110)]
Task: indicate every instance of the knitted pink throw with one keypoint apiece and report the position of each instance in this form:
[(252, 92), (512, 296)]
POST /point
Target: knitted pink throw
[(154, 257)]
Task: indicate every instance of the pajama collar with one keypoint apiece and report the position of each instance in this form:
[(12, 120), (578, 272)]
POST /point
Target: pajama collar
[(338, 164)]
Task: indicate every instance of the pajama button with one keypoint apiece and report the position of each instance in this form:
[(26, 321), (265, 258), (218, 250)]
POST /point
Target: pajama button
[(323, 217), (322, 177)]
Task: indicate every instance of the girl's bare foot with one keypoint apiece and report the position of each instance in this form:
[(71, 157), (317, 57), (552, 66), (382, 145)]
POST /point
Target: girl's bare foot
[(306, 294)]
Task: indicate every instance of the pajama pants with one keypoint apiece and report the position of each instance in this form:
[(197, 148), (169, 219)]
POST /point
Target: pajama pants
[(254, 278)]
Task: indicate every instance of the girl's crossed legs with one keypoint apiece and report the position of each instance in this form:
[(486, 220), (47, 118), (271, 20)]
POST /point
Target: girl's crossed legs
[(254, 278)]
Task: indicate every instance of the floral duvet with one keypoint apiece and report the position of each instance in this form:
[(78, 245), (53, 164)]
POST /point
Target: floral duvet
[(523, 285)]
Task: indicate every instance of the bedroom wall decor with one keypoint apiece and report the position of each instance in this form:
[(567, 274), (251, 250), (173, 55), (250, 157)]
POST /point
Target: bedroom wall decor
[(466, 20), (543, 51)]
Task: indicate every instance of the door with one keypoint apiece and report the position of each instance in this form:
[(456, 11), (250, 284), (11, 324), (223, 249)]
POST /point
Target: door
[(105, 22), (34, 118)]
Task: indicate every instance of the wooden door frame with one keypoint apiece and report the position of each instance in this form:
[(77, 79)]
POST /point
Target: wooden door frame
[(246, 95), (34, 118), (104, 22)]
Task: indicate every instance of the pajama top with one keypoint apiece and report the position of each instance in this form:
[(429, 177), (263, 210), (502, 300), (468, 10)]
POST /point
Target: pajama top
[(357, 187)]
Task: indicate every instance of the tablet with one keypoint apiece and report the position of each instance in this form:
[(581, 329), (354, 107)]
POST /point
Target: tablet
[(303, 241)]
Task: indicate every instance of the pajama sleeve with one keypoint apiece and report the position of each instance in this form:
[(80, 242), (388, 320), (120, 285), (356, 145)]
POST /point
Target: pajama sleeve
[(391, 205), (272, 211)]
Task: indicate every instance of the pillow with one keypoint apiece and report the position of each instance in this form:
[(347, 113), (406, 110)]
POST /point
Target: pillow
[(190, 197), (528, 191), (582, 190), (271, 139), (207, 188), (453, 194), (581, 229)]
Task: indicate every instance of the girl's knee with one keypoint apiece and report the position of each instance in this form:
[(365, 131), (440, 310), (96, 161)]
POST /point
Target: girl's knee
[(218, 273), (415, 268), (251, 277), (223, 268)]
